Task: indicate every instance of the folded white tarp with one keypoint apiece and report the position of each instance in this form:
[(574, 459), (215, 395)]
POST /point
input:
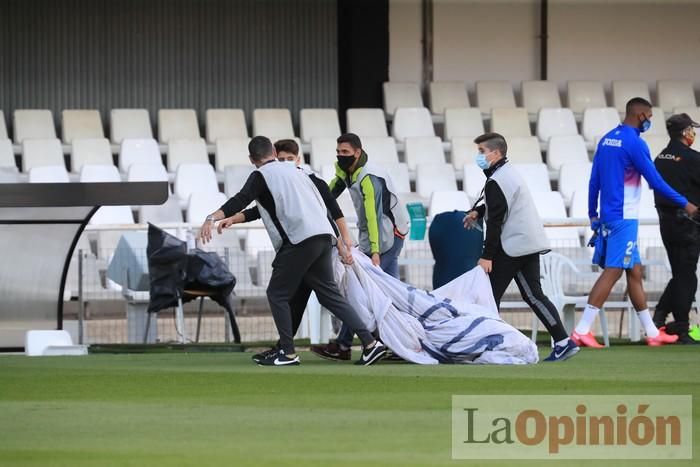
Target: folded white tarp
[(457, 323)]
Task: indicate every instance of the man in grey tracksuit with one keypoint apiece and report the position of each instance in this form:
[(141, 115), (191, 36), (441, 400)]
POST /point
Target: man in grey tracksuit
[(295, 217), (515, 238)]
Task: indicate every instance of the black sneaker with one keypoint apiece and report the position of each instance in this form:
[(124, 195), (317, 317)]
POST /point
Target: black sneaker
[(331, 351), (685, 339), (372, 355), (279, 359), (265, 354)]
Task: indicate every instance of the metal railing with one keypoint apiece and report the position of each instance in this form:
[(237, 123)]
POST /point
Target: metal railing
[(99, 307)]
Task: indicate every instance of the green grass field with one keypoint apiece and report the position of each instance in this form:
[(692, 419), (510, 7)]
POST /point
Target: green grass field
[(220, 409)]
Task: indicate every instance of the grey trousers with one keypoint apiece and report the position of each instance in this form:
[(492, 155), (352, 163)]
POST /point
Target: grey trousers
[(310, 263)]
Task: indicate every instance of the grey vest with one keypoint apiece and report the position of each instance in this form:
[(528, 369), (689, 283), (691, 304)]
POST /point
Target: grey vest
[(522, 233), (384, 222), (298, 205)]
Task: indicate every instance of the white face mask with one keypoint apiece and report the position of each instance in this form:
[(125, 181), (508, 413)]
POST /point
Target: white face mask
[(294, 163)]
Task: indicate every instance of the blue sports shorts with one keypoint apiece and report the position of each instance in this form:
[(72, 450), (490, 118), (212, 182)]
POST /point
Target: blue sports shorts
[(616, 246)]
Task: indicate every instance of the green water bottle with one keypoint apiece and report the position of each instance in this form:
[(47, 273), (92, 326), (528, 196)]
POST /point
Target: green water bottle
[(417, 214)]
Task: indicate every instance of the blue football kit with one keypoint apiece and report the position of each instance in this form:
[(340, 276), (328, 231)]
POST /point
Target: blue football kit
[(621, 160)]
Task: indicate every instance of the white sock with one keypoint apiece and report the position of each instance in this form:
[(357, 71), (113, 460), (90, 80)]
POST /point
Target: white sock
[(562, 342), (650, 328), (586, 322)]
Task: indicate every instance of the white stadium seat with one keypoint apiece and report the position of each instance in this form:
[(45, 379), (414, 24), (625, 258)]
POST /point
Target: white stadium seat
[(693, 112), (318, 123), (168, 212), (597, 122), (33, 124), (177, 124), (138, 151), (510, 122), (3, 126), (444, 201), (186, 151), (90, 151), (235, 177), (426, 150), (649, 235), (147, 173), (565, 149), (550, 205), (623, 91), (412, 121), (108, 215), (573, 176), (398, 172), (49, 174), (535, 175), (585, 94), (273, 123), (473, 181), (672, 94), (463, 152), (656, 143), (434, 176), (494, 94), (194, 178), (463, 122), (524, 150), (201, 204), (323, 151), (658, 123), (366, 122), (81, 124), (225, 123), (7, 156), (447, 94), (231, 151), (555, 122), (381, 151), (398, 94), (540, 94), (93, 173), (578, 208), (40, 152), (130, 124)]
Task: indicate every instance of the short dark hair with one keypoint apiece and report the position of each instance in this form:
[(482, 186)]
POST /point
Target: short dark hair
[(635, 103), (287, 145), (352, 139), (493, 141), (259, 148)]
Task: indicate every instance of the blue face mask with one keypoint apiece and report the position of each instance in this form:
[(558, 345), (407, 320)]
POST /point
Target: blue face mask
[(646, 124), (481, 161)]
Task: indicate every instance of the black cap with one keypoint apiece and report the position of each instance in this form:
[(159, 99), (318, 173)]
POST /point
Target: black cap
[(679, 122)]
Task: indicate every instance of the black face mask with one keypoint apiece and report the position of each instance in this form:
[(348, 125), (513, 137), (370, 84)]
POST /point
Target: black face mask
[(344, 162)]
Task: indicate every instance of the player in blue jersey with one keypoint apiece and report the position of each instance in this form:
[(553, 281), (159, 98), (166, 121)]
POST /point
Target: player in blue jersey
[(621, 159)]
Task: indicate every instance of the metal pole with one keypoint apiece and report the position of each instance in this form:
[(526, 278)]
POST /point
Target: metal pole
[(81, 303), (427, 42), (544, 38)]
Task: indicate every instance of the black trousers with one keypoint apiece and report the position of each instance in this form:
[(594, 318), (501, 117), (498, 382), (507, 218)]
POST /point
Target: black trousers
[(308, 263), (526, 272), (298, 304), (681, 238)]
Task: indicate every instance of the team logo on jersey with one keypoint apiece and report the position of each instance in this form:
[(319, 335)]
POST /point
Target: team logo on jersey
[(612, 142)]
